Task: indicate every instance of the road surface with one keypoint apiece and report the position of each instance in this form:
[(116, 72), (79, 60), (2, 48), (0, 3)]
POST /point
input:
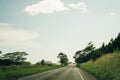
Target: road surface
[(65, 73)]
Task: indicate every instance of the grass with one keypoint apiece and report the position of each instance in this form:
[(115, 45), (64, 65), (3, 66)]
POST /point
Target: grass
[(15, 72), (106, 67)]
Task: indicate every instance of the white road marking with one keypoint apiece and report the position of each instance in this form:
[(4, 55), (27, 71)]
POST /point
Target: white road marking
[(80, 75)]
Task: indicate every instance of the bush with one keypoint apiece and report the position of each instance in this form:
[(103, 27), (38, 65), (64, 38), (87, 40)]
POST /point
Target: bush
[(106, 67), (14, 72)]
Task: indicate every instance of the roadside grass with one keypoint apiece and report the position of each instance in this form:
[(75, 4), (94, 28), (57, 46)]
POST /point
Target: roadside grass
[(15, 72), (106, 67)]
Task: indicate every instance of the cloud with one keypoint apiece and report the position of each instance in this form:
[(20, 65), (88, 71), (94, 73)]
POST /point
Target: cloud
[(2, 24), (17, 37), (113, 14), (7, 34), (46, 7), (80, 6), (51, 6)]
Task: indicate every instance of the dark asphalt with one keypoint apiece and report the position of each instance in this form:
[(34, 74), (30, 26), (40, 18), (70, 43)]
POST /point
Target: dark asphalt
[(65, 73)]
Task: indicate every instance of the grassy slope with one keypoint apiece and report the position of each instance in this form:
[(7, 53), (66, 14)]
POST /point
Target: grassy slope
[(14, 72), (106, 67)]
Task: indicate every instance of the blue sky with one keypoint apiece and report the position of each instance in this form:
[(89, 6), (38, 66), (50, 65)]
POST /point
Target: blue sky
[(43, 28)]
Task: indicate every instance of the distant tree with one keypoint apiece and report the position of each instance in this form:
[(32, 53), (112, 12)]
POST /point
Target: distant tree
[(38, 63), (63, 58), (48, 63), (42, 62), (0, 54), (25, 63), (15, 56)]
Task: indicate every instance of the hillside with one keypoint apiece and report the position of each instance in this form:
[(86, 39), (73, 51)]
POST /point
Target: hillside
[(106, 67), (103, 62)]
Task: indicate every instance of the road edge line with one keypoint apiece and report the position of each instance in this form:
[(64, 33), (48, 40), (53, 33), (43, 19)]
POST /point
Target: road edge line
[(80, 75)]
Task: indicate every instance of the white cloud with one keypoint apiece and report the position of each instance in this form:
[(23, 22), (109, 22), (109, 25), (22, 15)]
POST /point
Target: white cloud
[(17, 37), (80, 6), (8, 34), (46, 7), (50, 6), (2, 24), (113, 13)]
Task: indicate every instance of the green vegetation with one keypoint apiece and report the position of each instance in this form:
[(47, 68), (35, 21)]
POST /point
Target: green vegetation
[(103, 62), (14, 66), (63, 59), (105, 68), (84, 55), (14, 58), (90, 53), (44, 63), (14, 72)]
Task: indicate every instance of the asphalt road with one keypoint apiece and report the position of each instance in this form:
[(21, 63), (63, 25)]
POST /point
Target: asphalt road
[(65, 73)]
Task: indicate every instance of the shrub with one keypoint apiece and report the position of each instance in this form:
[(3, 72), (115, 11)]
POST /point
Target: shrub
[(106, 67)]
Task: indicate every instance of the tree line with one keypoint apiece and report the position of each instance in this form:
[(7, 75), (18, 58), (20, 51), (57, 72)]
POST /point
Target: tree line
[(14, 58), (19, 58), (91, 53), (81, 56)]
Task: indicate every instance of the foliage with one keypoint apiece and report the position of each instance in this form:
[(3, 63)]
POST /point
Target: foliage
[(83, 55), (15, 72), (90, 53), (15, 58), (63, 58), (42, 62), (106, 67)]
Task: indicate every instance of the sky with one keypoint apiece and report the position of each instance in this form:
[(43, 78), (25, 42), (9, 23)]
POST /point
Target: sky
[(44, 28)]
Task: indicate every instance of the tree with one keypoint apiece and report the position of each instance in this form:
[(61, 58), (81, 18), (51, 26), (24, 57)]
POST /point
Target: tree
[(63, 58), (77, 54), (79, 57), (0, 54), (15, 56), (26, 63), (90, 47), (42, 62), (117, 43), (48, 63), (85, 54), (38, 63)]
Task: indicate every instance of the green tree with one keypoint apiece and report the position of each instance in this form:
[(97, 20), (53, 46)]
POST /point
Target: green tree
[(38, 63), (15, 56), (0, 54), (85, 54), (42, 62), (90, 53), (79, 57), (63, 58), (90, 47)]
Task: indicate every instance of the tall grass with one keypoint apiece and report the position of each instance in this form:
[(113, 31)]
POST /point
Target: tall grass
[(106, 67), (14, 72)]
